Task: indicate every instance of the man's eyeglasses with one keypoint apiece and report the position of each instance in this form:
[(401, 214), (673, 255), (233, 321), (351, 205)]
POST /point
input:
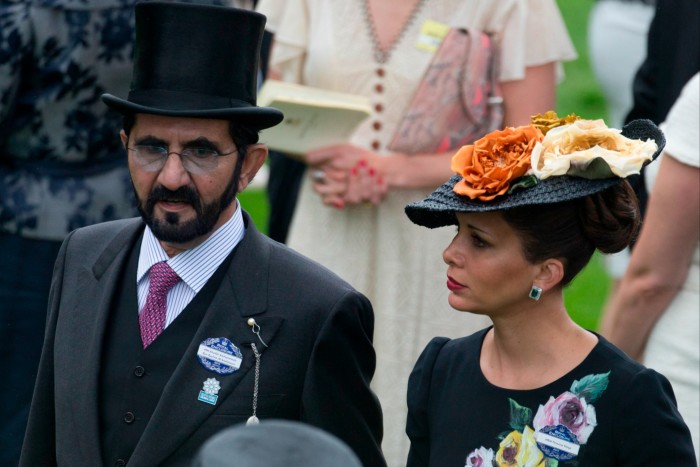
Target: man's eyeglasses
[(196, 160)]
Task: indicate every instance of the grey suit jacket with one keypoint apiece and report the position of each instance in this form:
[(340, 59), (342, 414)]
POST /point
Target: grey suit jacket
[(316, 368)]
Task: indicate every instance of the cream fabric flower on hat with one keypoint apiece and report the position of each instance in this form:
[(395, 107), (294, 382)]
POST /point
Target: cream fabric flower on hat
[(589, 149)]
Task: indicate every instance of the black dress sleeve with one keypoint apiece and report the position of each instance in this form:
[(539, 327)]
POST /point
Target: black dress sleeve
[(418, 396), (650, 430)]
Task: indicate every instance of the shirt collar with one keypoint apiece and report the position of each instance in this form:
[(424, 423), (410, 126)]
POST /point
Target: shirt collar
[(194, 266)]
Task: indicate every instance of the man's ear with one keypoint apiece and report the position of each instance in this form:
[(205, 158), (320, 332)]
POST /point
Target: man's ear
[(254, 159), (124, 138)]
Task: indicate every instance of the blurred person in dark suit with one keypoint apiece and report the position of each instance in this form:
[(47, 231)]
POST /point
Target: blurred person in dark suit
[(672, 58)]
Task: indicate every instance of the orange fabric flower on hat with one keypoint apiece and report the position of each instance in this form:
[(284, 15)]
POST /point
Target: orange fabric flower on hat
[(490, 164)]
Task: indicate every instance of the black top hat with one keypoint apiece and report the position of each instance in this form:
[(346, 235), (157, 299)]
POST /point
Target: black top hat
[(440, 207), (196, 60)]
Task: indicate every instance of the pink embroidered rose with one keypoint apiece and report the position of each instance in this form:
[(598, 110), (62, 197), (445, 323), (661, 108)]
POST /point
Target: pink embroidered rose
[(570, 411), (481, 457)]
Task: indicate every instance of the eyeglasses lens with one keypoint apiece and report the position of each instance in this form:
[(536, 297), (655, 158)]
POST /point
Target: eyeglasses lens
[(194, 160)]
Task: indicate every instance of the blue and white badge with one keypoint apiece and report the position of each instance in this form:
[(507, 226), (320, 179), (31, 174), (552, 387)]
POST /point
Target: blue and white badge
[(557, 442), (210, 391), (219, 355)]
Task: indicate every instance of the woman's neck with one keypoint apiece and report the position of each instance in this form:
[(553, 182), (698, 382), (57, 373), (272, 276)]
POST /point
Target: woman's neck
[(532, 349)]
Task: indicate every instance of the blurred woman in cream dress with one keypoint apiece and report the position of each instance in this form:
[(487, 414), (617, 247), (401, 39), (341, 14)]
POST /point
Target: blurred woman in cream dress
[(369, 47)]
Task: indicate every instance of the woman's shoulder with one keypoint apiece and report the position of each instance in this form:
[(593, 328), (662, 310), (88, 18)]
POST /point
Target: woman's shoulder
[(629, 383), (624, 367), (447, 347), (442, 351), (641, 401)]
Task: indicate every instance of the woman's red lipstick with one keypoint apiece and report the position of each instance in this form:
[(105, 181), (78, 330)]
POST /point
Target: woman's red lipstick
[(453, 285)]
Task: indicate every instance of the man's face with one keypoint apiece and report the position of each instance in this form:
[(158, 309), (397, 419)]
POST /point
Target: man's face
[(183, 207)]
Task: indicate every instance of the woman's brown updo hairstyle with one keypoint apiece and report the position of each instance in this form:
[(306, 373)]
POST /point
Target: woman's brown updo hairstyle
[(571, 231)]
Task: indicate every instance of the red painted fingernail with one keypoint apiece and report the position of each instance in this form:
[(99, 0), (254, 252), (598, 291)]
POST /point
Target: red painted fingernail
[(353, 171), (362, 163), (338, 204), (371, 170)]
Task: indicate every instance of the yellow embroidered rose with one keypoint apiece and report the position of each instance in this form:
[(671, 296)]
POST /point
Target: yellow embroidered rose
[(589, 149), (550, 120), (519, 449), (490, 164)]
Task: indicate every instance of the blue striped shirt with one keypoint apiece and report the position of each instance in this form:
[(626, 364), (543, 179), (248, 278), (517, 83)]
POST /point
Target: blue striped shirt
[(195, 267)]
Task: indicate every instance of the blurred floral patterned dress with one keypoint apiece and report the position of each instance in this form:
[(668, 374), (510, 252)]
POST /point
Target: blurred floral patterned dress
[(61, 165), (61, 161)]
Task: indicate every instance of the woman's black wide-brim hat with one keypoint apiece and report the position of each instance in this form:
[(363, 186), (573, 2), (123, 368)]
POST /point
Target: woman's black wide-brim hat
[(440, 207), (196, 60)]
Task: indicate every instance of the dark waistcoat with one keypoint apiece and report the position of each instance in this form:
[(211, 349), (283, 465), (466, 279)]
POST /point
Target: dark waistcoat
[(132, 378)]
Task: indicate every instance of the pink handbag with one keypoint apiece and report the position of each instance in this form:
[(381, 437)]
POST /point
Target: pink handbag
[(458, 99)]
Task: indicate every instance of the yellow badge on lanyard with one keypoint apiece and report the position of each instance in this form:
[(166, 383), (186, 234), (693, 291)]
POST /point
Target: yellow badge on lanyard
[(431, 35)]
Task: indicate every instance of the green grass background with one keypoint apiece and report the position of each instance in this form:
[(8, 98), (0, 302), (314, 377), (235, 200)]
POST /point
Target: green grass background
[(578, 93)]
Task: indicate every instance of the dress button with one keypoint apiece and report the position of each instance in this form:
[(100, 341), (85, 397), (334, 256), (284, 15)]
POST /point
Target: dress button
[(379, 88), (377, 125), (379, 108), (380, 72), (139, 371), (375, 145), (129, 417), (120, 463)]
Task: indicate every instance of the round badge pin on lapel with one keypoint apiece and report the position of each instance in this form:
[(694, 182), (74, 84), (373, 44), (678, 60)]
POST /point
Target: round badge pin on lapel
[(220, 355)]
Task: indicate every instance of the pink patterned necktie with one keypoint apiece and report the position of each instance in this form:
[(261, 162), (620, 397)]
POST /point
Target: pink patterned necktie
[(152, 317)]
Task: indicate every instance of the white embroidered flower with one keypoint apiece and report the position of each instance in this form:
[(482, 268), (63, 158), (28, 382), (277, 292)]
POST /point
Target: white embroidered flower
[(211, 386), (589, 149), (481, 457)]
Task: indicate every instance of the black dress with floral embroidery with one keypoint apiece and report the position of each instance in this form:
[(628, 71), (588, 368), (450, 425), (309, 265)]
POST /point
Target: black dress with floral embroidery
[(608, 411)]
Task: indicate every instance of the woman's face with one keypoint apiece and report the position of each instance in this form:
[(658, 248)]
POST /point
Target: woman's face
[(487, 272)]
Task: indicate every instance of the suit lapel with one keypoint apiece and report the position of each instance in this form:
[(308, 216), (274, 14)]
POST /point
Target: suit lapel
[(242, 294), (98, 282)]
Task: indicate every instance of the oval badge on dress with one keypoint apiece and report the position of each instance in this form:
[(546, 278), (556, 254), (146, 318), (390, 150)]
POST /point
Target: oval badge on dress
[(557, 442), (219, 355)]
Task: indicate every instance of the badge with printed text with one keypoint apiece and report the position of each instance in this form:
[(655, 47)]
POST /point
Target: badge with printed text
[(219, 355), (431, 35), (557, 442), (210, 391)]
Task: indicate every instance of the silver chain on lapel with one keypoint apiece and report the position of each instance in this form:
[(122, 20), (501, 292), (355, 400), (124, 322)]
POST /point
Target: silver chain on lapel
[(253, 420)]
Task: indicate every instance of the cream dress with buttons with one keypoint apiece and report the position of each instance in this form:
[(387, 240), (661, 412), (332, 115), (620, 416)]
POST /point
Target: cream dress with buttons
[(398, 265)]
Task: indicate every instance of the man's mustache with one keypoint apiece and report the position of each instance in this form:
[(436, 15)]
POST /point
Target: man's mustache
[(184, 194)]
